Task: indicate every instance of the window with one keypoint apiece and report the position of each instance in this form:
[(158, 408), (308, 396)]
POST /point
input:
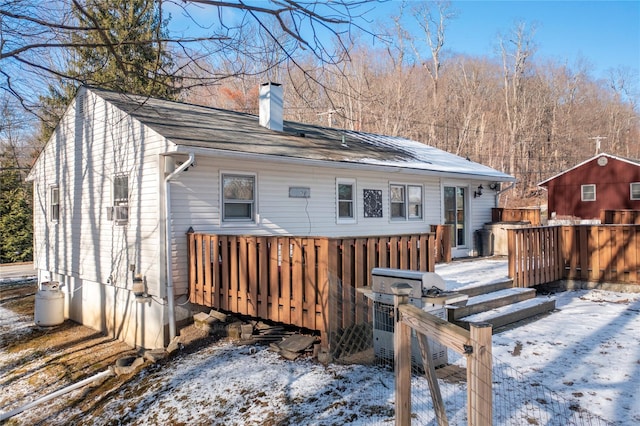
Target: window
[(346, 200), (635, 191), (588, 192), (415, 201), (397, 201), (238, 198), (121, 199), (406, 201), (55, 204)]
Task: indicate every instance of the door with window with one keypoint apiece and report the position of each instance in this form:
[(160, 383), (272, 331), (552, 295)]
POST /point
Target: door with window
[(455, 214)]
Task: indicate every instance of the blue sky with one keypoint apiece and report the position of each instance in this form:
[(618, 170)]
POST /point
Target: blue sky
[(604, 33)]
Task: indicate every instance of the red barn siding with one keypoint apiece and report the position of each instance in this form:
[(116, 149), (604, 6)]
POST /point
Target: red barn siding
[(612, 183)]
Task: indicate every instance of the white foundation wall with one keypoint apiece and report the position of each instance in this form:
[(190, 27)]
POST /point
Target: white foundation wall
[(111, 310)]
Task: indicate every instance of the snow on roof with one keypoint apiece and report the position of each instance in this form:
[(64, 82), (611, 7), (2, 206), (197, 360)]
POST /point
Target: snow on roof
[(211, 128), (427, 157)]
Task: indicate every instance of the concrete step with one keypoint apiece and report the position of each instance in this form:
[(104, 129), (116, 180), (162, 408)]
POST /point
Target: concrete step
[(486, 288), (509, 314), (489, 301)]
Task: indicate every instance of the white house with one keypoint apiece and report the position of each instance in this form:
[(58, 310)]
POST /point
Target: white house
[(124, 177)]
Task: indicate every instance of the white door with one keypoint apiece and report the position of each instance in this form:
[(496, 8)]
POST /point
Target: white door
[(456, 214)]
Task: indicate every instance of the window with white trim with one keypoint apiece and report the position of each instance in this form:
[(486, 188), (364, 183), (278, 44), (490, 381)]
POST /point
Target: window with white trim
[(121, 199), (415, 202), (405, 202), (238, 198), (397, 195), (634, 190), (588, 192), (346, 202), (54, 203)]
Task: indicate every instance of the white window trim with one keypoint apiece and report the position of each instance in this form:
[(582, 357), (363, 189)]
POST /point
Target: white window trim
[(354, 192), (51, 189), (582, 188), (421, 202), (631, 185), (239, 222), (120, 204), (406, 202)]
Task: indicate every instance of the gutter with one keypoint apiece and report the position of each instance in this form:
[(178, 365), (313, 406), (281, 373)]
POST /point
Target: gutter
[(167, 243)]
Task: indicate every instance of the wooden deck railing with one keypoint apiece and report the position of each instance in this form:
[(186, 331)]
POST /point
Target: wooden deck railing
[(534, 255), (442, 246), (516, 215), (289, 279), (601, 253)]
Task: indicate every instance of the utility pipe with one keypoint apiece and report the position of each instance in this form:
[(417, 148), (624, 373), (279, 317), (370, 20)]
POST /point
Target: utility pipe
[(167, 243), (9, 414), (503, 191)]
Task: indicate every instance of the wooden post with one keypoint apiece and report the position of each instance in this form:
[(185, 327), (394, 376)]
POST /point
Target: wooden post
[(479, 380), (402, 356), (430, 374)]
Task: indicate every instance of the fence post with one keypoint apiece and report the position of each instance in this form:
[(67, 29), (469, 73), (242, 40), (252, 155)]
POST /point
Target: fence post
[(479, 376), (402, 356)]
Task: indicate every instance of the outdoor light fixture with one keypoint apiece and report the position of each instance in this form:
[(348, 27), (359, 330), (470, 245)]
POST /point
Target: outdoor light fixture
[(478, 193)]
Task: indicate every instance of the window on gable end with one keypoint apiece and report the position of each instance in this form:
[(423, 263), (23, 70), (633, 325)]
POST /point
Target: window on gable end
[(121, 199), (54, 204), (635, 190), (588, 192)]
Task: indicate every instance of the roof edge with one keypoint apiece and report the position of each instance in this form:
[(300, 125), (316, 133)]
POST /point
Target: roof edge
[(602, 154)]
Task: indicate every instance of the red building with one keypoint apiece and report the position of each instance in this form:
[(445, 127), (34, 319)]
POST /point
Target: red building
[(604, 182)]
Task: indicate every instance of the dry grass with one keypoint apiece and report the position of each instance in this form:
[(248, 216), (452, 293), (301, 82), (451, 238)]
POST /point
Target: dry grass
[(37, 360)]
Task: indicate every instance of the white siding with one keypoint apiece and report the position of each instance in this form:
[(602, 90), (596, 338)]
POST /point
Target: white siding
[(93, 142), (196, 198)]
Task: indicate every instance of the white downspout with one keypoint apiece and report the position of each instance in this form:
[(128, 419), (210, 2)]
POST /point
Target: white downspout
[(167, 244)]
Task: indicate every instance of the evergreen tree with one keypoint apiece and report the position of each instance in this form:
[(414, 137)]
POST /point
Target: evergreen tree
[(16, 242), (122, 49), (16, 228)]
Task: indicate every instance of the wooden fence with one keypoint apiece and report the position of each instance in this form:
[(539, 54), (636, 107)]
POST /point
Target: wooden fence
[(600, 253), (289, 279), (516, 215), (475, 344), (620, 217)]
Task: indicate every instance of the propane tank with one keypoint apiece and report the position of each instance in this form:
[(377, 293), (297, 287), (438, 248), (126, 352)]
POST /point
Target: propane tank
[(49, 305)]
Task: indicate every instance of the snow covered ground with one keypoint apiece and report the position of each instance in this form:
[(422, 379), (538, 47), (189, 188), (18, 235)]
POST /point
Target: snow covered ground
[(587, 352)]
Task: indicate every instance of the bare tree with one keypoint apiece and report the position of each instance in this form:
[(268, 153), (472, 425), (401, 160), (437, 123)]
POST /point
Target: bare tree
[(516, 50), (36, 37)]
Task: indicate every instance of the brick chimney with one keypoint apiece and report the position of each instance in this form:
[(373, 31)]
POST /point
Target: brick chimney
[(271, 101)]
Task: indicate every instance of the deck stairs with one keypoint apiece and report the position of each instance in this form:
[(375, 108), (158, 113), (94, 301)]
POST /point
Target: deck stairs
[(499, 304)]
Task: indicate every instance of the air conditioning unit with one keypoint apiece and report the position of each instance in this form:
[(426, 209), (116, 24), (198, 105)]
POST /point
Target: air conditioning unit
[(121, 214)]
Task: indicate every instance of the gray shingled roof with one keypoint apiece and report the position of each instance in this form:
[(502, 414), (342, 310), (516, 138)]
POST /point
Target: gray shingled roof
[(206, 127)]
